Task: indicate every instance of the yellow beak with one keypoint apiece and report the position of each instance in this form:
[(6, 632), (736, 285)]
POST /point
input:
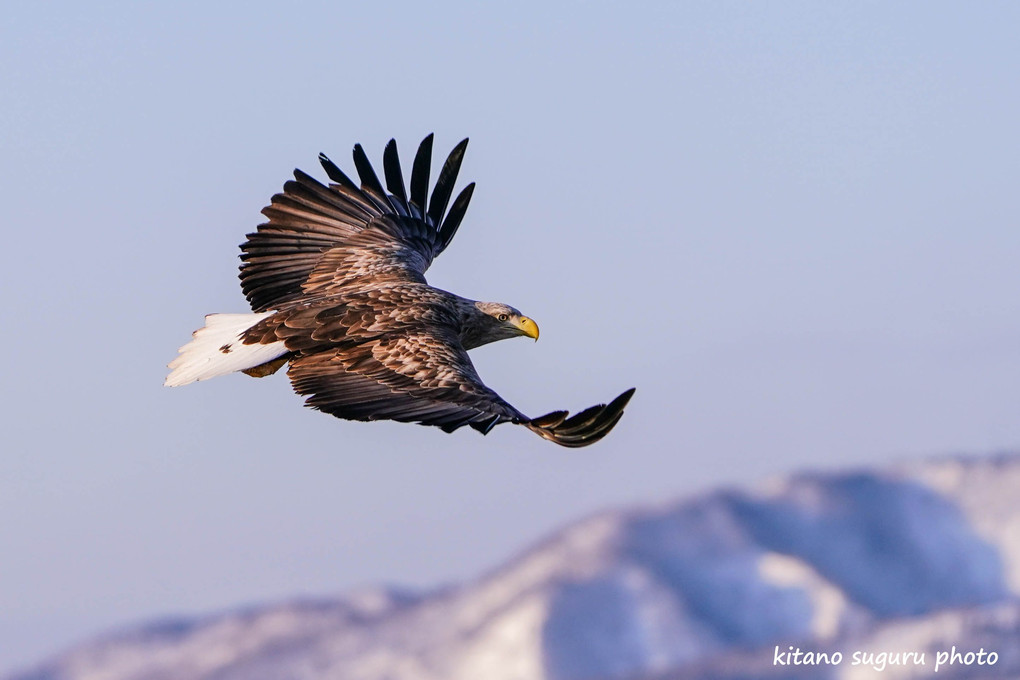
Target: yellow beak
[(528, 327)]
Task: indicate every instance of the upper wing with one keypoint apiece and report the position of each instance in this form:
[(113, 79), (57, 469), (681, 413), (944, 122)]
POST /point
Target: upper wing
[(423, 377), (319, 239)]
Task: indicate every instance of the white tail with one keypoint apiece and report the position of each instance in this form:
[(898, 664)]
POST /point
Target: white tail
[(216, 350)]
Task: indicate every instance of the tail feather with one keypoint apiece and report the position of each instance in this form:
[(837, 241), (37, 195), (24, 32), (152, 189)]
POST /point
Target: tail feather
[(216, 349)]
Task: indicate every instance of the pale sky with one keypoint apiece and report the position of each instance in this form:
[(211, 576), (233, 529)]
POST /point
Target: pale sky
[(792, 226)]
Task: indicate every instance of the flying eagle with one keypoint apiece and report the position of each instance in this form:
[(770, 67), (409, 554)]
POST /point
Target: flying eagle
[(336, 283)]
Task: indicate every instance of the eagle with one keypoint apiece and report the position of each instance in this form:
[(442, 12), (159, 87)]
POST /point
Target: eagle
[(336, 283)]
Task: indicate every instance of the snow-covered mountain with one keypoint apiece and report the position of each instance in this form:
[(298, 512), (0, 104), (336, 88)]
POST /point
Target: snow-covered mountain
[(901, 565)]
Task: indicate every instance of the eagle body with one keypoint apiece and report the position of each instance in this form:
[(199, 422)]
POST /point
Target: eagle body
[(336, 282)]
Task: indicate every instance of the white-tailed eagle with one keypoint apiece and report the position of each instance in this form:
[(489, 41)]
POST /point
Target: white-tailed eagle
[(336, 283)]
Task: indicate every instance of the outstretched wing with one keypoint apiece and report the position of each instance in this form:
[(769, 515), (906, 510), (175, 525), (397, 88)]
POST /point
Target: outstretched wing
[(422, 377), (321, 240), (393, 353)]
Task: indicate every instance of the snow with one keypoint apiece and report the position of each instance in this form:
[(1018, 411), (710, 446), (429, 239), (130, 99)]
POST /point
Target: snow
[(916, 558)]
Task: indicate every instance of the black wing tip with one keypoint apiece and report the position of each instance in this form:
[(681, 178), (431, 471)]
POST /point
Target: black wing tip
[(394, 175), (583, 429), (456, 214), (416, 201), (420, 171), (625, 397), (427, 144), (325, 161), (444, 184), (369, 180), (334, 172)]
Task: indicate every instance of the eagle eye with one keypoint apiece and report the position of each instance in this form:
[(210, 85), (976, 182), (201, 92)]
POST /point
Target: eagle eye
[(504, 317)]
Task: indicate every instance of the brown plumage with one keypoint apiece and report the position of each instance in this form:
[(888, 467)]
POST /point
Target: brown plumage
[(337, 280)]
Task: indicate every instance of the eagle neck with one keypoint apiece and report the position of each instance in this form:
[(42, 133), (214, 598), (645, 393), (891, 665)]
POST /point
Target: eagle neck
[(475, 325)]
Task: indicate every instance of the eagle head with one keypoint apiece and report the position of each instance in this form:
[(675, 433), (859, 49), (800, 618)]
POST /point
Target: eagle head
[(491, 321)]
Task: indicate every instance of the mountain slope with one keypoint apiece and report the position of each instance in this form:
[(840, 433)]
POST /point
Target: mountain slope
[(706, 586)]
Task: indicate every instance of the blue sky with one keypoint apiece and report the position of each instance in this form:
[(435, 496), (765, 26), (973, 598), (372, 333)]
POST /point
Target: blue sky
[(792, 226)]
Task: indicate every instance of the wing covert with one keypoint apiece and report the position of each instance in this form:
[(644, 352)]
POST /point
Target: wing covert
[(422, 377)]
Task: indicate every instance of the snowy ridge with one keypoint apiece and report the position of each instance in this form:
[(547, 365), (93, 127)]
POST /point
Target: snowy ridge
[(915, 558)]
